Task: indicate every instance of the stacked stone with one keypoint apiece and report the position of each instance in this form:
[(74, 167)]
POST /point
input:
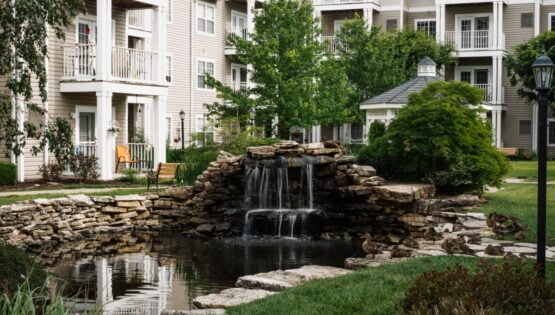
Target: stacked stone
[(40, 221)]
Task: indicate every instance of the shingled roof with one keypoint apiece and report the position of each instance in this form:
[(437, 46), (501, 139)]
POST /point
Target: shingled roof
[(400, 94)]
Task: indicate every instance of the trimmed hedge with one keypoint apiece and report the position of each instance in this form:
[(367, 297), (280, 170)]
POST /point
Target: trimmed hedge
[(8, 174)]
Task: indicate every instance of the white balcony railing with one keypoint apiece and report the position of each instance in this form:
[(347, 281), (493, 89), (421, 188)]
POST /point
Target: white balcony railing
[(469, 40), (138, 18), (487, 88), (132, 64), (234, 33), (143, 152), (79, 61), (335, 2), (331, 43), (237, 86), (127, 64), (86, 148)]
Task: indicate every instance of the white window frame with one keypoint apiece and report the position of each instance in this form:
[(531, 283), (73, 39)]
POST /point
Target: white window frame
[(337, 24), (83, 109), (238, 14), (170, 72), (549, 21), (92, 18), (458, 71), (424, 20), (205, 60), (238, 66), (169, 12), (206, 4), (204, 129)]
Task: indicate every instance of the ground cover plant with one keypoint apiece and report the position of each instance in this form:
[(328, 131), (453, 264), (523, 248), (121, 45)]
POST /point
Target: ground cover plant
[(528, 170)]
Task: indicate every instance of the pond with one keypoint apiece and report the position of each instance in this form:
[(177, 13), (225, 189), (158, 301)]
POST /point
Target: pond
[(144, 273)]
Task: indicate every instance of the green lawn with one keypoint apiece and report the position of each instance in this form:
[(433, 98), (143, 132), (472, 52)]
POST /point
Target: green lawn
[(368, 291), (529, 170), (519, 200), (13, 199)]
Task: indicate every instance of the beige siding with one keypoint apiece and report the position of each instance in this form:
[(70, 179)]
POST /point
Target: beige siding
[(413, 16), (380, 18), (420, 3), (329, 18), (514, 34), (452, 10), (545, 11)]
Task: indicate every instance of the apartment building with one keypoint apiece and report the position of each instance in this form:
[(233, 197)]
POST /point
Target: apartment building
[(481, 31), (128, 68)]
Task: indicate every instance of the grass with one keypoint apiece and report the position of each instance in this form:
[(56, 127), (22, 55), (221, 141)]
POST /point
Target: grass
[(519, 200), (529, 170), (367, 291), (8, 200)]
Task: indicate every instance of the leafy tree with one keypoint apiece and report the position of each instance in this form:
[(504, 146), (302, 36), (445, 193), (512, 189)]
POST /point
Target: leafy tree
[(24, 26), (294, 78), (439, 137), (519, 64), (376, 130), (377, 61)]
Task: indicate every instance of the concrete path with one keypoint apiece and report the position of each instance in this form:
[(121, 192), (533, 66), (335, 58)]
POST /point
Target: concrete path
[(67, 191)]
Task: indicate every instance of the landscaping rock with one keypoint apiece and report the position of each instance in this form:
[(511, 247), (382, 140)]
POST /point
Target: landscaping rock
[(230, 297)]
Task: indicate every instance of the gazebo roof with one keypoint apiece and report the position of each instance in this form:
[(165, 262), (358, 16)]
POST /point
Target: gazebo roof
[(400, 94)]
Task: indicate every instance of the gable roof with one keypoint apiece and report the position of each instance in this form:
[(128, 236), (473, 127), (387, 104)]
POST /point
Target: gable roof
[(400, 94)]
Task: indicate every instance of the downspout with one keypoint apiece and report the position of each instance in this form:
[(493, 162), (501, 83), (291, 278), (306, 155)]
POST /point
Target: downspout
[(191, 65)]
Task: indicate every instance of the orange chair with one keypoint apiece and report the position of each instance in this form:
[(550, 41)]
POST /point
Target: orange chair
[(124, 157)]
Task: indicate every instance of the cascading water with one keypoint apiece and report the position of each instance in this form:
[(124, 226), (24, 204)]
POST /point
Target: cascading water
[(267, 192)]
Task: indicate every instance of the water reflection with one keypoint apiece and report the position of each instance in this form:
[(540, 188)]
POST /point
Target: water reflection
[(144, 274)]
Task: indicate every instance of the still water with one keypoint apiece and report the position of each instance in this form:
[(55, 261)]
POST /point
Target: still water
[(144, 274)]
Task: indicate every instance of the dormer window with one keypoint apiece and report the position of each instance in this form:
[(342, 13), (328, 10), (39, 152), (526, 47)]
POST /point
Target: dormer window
[(427, 68)]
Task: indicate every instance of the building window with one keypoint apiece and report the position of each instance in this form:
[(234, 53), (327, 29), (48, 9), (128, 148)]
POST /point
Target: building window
[(356, 131), (426, 26), (551, 21), (527, 20), (169, 69), (203, 68), (391, 25), (205, 18), (205, 133), (169, 11), (525, 127)]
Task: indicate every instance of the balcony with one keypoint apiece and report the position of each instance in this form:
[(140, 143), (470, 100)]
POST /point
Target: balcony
[(130, 65), (331, 44), (489, 96), (472, 40), (143, 152), (138, 19), (237, 86), (338, 2)]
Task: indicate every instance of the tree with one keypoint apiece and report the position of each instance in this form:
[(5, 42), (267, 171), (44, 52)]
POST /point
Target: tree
[(439, 137), (24, 26), (519, 64), (294, 78), (376, 61)]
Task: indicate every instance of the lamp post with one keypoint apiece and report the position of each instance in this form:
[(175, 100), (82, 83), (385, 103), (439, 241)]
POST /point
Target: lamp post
[(543, 73), (182, 117), (252, 113)]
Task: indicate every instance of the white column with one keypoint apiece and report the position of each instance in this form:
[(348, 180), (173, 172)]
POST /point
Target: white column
[(493, 37), (494, 83), (104, 138), (402, 15), (499, 95), (368, 16), (20, 159), (496, 127), (500, 40), (104, 39), (103, 283), (159, 44), (159, 140), (537, 17), (441, 22), (250, 29)]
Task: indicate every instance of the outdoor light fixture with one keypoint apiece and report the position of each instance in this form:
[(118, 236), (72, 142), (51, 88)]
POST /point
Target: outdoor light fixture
[(182, 117), (543, 73), (252, 113)]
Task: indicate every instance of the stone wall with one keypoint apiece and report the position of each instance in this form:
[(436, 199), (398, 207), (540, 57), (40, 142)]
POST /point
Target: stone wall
[(351, 200)]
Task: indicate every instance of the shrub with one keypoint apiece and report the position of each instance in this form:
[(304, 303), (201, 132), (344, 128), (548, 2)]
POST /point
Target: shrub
[(129, 175), (52, 171), (376, 130), (85, 167), (508, 288), (8, 174), (439, 138), (17, 268), (194, 161)]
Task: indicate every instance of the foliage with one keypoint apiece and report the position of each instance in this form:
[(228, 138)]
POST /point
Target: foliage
[(24, 29), (58, 138), (376, 130), (129, 175), (508, 288), (439, 138), (52, 172), (376, 61), (294, 77), (85, 167), (194, 161), (519, 64), (235, 140), (17, 268), (8, 174)]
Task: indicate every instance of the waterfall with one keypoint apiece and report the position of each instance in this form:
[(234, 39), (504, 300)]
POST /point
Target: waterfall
[(267, 193)]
